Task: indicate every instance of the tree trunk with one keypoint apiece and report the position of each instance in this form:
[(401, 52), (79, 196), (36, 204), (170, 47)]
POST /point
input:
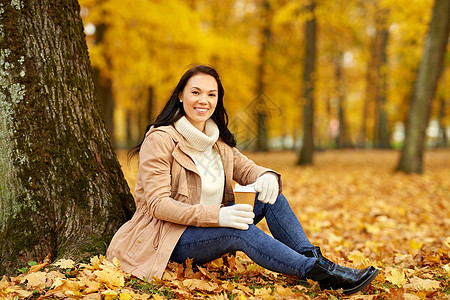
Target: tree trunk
[(381, 128), (261, 107), (103, 85), (307, 151), (343, 138), (442, 137), (62, 190), (424, 89)]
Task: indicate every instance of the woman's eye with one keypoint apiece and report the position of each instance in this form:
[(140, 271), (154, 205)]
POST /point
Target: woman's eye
[(212, 95), (195, 92)]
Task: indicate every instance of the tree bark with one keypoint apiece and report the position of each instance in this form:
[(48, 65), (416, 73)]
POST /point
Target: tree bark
[(343, 139), (381, 128), (261, 106), (411, 159), (307, 151), (62, 190), (442, 137), (104, 89)]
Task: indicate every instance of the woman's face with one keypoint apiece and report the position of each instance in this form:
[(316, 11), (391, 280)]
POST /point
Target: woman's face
[(199, 99)]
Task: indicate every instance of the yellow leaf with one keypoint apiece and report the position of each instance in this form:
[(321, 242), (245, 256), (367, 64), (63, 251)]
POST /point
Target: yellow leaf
[(396, 277), (58, 282), (414, 246), (218, 263), (417, 283), (95, 262), (202, 285), (125, 296), (116, 262), (358, 258), (4, 283), (447, 242), (111, 277), (283, 292), (109, 294), (65, 263)]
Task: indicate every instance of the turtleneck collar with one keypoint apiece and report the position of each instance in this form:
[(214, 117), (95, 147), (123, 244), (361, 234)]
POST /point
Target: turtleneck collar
[(196, 139)]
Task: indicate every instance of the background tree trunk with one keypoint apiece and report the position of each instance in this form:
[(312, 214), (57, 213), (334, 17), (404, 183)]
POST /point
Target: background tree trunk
[(261, 106), (424, 89), (442, 137), (62, 189), (307, 151), (343, 139), (103, 85), (381, 130)]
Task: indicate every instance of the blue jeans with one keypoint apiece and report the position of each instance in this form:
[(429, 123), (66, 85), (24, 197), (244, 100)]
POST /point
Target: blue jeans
[(279, 253)]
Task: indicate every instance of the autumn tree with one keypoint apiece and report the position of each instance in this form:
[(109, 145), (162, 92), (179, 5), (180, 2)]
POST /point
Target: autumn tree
[(261, 107), (424, 89), (62, 190), (307, 152)]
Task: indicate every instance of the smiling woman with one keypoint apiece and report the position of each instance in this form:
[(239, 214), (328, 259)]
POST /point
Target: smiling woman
[(185, 206)]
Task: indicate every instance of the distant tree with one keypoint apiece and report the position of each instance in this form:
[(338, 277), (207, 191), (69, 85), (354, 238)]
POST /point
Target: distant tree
[(103, 85), (381, 128), (343, 139), (307, 151), (442, 137), (261, 109), (424, 89), (62, 191)]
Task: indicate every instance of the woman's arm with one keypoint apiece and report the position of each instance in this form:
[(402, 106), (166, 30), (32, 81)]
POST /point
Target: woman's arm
[(155, 162)]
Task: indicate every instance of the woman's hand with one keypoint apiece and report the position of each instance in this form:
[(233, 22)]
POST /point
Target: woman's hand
[(267, 186), (237, 216)]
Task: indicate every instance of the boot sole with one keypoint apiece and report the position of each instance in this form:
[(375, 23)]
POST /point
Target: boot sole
[(363, 285)]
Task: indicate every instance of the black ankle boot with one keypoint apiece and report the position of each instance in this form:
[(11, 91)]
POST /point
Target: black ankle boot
[(332, 276), (313, 252)]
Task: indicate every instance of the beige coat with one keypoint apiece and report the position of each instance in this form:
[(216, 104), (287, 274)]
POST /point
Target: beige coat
[(167, 197)]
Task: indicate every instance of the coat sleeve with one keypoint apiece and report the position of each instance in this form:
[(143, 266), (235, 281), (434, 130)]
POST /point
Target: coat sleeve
[(245, 171), (155, 161)]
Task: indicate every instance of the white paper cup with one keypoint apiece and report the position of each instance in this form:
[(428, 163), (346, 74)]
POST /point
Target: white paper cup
[(244, 194)]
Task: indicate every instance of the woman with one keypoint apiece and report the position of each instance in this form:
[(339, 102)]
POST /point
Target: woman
[(185, 203)]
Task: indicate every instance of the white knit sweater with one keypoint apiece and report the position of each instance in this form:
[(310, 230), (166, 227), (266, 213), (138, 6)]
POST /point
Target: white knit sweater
[(207, 160)]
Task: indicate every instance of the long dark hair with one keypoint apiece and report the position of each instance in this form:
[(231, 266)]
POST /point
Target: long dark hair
[(173, 110)]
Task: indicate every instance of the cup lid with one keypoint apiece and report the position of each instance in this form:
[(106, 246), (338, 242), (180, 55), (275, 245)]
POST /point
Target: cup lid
[(244, 188)]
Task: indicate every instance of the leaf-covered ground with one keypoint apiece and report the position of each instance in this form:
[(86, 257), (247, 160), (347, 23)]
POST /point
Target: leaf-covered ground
[(350, 203)]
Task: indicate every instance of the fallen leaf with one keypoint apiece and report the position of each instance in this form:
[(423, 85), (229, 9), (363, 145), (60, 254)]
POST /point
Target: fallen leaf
[(36, 280), (396, 276), (93, 296), (417, 283), (447, 268), (201, 285), (414, 246), (65, 263), (37, 267), (283, 291), (112, 278), (110, 294), (125, 296)]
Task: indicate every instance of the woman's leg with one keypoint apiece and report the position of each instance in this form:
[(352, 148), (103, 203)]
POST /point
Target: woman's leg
[(283, 223), (285, 227), (204, 244)]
